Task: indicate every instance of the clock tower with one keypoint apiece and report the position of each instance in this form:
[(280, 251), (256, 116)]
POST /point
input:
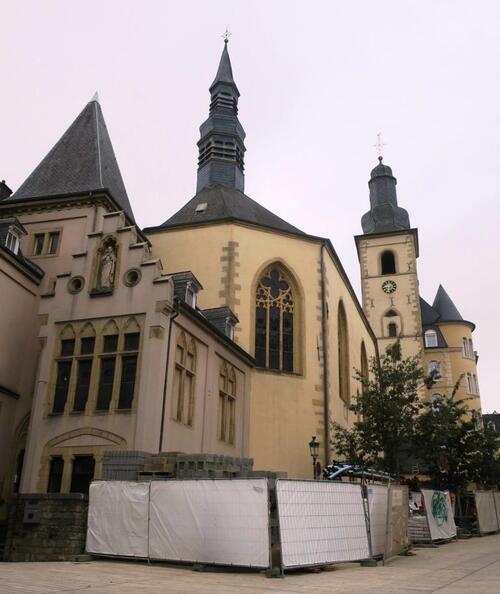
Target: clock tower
[(388, 252)]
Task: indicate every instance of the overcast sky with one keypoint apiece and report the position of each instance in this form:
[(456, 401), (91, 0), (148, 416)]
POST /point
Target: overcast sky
[(318, 80)]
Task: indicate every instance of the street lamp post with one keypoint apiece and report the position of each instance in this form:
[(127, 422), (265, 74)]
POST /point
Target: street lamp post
[(314, 449)]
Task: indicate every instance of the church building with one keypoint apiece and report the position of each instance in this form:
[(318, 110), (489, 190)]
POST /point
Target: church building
[(223, 330)]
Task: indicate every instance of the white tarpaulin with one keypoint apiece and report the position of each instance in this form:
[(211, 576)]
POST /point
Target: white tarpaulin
[(486, 514), (496, 499), (210, 521), (377, 505), (321, 522), (439, 514), (118, 518)]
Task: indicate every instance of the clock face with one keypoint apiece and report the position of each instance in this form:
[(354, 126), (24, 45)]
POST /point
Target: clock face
[(389, 286)]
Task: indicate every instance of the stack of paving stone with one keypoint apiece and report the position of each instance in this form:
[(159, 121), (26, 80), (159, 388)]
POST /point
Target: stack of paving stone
[(418, 529), (159, 466), (212, 466), (123, 465)]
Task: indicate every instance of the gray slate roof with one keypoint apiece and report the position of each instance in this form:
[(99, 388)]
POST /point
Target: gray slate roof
[(224, 72), (445, 306), (223, 204), (429, 314), (82, 160)]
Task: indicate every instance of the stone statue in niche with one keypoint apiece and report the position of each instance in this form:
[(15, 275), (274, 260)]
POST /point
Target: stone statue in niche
[(106, 266)]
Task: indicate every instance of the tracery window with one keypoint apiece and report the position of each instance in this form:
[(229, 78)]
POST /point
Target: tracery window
[(227, 403), (274, 321), (184, 380)]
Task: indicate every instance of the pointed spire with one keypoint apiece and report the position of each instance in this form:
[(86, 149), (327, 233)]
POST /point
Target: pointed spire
[(95, 97), (445, 306), (384, 215), (221, 145), (225, 72), (82, 160)]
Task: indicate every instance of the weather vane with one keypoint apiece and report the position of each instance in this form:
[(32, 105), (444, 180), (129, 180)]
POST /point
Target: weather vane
[(379, 145), (227, 34)]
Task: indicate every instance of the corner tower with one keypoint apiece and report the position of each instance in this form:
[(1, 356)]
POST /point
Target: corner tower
[(221, 145), (388, 252)]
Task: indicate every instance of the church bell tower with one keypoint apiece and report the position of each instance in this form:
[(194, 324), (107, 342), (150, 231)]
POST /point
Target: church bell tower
[(388, 252)]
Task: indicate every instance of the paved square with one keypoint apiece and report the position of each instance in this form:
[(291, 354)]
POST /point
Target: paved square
[(470, 566)]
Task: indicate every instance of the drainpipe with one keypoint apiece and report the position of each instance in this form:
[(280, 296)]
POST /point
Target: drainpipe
[(164, 403), (324, 335)]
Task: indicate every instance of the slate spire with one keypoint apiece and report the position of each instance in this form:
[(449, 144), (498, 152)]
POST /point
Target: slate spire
[(221, 145), (384, 215), (445, 306), (82, 160)]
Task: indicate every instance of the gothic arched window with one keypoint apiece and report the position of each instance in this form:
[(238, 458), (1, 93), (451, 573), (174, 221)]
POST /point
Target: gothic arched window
[(274, 310), (343, 348), (393, 330), (388, 263)]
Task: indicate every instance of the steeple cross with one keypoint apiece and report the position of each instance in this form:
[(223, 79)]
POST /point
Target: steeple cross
[(227, 34), (379, 145)]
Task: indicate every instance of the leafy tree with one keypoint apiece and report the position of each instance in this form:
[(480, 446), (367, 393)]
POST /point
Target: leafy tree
[(453, 446), (386, 410)]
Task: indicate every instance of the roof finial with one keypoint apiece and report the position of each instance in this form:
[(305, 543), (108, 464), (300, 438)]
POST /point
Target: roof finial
[(95, 97), (227, 34), (379, 145)]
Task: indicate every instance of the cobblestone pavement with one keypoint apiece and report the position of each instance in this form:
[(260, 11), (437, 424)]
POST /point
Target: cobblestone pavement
[(471, 566)]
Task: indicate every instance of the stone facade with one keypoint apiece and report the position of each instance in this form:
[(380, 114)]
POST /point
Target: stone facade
[(46, 527)]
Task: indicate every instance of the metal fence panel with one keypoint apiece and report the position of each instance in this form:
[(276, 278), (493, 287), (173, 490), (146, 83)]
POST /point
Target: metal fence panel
[(486, 514), (321, 522), (439, 514), (210, 521), (377, 506), (118, 519)]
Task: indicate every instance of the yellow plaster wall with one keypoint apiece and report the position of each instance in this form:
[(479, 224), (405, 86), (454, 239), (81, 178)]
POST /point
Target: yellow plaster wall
[(286, 409), (453, 363)]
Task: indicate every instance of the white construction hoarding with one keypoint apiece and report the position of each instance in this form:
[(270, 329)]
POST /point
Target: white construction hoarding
[(118, 519), (496, 499), (486, 513), (210, 521), (320, 522), (377, 506), (439, 514)]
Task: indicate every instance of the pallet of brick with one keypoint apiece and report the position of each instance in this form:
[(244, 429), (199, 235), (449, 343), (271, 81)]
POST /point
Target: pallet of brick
[(418, 529)]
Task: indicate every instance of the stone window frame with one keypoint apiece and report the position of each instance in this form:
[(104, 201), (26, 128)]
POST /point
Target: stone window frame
[(55, 447), (228, 395), (297, 296), (184, 386), (434, 368), (45, 245), (97, 327)]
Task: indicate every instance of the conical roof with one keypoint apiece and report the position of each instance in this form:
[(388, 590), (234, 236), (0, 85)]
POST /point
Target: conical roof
[(221, 203), (429, 314), (224, 72), (445, 306), (82, 160)]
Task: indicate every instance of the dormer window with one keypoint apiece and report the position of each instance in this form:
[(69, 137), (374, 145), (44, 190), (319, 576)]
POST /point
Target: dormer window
[(12, 241), (430, 338), (229, 328), (190, 296)]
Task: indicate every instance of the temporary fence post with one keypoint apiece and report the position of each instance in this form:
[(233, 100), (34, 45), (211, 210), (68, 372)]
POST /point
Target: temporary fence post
[(387, 521)]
